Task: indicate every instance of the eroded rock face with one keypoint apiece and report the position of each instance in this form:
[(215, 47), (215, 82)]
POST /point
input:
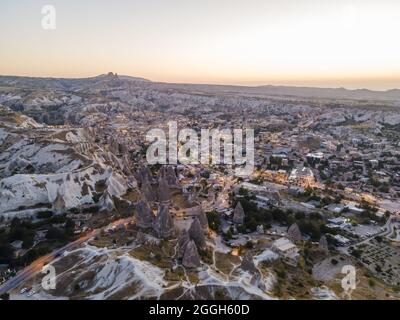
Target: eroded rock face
[(196, 233), (200, 214), (238, 214), (183, 240), (106, 202), (164, 194), (323, 244), (256, 280), (191, 257), (294, 232), (59, 203), (248, 263), (203, 219), (144, 216), (168, 173), (163, 224), (144, 175), (149, 192)]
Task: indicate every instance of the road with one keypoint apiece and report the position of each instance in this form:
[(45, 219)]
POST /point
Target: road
[(36, 266), (389, 225)]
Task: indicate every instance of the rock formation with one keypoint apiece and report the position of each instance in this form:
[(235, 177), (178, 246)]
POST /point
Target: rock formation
[(144, 175), (183, 240), (238, 214), (248, 263), (59, 203), (144, 216), (168, 173), (203, 219), (196, 233), (198, 212), (257, 280), (294, 232), (164, 194), (323, 244), (163, 224), (149, 191), (106, 202), (191, 257)]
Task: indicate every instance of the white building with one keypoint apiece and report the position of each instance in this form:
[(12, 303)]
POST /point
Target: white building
[(287, 249)]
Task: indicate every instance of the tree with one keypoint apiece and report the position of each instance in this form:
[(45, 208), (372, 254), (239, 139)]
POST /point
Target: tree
[(214, 220), (6, 252), (5, 296), (55, 234), (251, 224)]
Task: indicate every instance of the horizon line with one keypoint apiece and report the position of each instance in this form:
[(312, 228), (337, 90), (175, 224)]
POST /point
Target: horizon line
[(211, 83)]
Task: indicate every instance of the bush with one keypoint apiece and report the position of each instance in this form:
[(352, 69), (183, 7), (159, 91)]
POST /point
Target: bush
[(55, 234), (214, 220), (44, 214)]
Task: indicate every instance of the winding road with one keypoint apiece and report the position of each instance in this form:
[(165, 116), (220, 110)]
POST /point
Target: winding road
[(36, 266)]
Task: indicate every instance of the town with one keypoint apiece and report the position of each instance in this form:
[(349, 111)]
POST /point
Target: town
[(77, 192)]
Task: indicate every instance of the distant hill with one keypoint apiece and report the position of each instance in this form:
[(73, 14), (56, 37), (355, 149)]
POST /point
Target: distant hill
[(64, 83), (267, 90), (292, 91)]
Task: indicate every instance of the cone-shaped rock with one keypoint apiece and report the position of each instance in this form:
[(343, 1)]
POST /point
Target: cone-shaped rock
[(144, 175), (183, 240), (59, 203), (238, 214), (144, 216), (294, 232), (248, 263), (164, 193), (199, 213), (323, 243), (191, 257), (203, 219), (106, 202), (170, 176), (164, 225), (196, 233), (149, 191)]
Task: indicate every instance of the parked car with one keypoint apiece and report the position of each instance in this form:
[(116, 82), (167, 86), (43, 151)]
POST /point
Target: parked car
[(23, 290), (31, 293)]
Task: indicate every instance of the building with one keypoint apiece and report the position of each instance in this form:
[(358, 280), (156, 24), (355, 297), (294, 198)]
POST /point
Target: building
[(341, 241), (303, 177), (287, 249)]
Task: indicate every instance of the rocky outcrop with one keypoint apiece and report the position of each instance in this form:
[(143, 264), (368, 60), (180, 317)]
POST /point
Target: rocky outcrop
[(164, 193), (294, 232), (203, 219), (323, 244), (200, 214), (149, 192), (59, 203), (257, 281), (168, 173), (163, 224), (248, 263), (238, 214), (191, 257), (183, 240), (144, 176), (143, 214), (196, 233), (106, 202)]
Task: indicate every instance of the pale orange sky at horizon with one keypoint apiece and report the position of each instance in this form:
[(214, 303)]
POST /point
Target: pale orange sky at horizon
[(349, 43)]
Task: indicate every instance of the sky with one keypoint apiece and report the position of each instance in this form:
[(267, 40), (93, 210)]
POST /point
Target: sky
[(324, 43)]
